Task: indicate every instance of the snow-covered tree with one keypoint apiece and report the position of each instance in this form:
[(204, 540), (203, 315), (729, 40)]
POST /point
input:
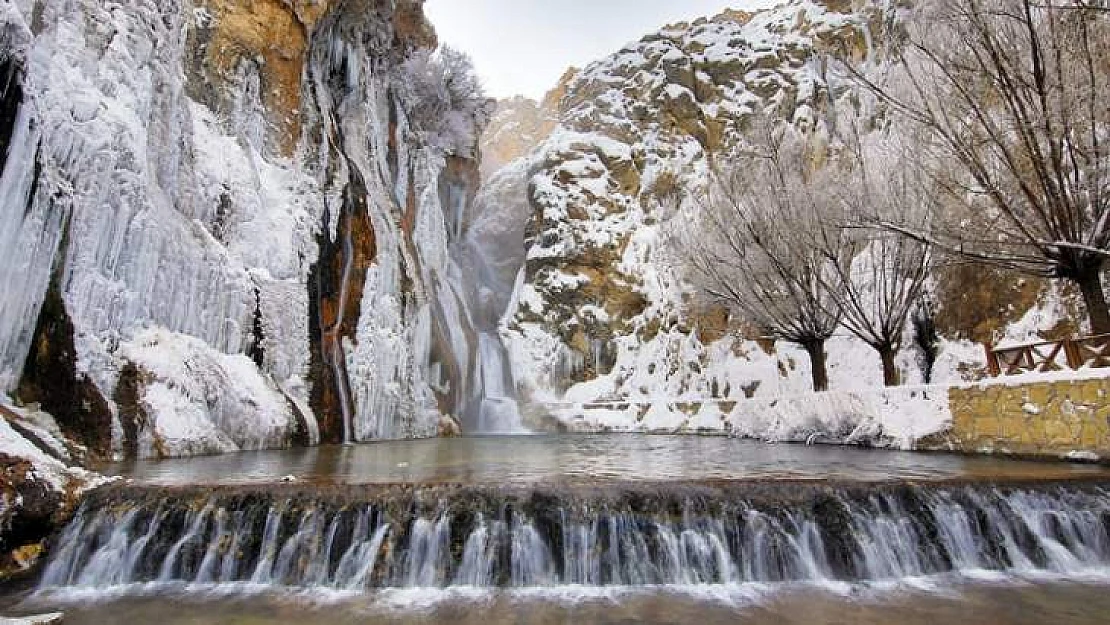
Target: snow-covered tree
[(1010, 99), (748, 245), (445, 99), (876, 277)]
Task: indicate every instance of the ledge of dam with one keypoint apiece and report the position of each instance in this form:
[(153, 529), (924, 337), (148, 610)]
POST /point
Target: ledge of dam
[(638, 534)]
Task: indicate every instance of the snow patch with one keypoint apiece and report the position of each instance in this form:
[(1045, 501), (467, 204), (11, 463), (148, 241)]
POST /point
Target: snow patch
[(199, 400)]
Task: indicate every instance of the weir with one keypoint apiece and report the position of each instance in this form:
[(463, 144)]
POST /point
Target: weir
[(625, 534)]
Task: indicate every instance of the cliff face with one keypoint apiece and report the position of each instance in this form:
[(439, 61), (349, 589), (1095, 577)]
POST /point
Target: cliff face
[(518, 125), (220, 228), (598, 311)]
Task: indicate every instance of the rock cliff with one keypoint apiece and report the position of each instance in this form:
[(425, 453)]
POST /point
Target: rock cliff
[(222, 225)]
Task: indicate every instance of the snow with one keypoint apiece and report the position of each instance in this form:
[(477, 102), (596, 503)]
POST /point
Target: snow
[(1082, 456), (892, 417), (42, 426), (53, 472), (186, 220), (200, 400), (51, 618)]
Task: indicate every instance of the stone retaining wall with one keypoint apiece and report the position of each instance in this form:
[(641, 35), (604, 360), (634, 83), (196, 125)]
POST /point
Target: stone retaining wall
[(1039, 418)]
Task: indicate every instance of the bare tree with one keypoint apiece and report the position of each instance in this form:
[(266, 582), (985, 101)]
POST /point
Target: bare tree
[(875, 277), (1011, 96), (748, 246)]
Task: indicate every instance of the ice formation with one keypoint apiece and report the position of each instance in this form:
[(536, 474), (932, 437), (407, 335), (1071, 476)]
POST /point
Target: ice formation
[(244, 227)]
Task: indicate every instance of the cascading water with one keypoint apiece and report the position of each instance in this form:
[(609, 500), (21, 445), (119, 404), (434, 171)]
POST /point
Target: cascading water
[(498, 412), (334, 338), (673, 535), (490, 406)]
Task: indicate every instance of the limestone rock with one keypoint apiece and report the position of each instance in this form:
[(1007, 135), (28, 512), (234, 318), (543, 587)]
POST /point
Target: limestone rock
[(635, 131)]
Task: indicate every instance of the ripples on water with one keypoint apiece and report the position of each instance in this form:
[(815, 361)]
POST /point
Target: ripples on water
[(994, 600), (581, 458)]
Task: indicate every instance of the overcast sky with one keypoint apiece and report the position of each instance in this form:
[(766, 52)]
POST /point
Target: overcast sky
[(523, 46)]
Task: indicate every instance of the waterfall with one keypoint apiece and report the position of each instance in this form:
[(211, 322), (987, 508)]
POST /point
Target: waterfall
[(485, 537), (498, 412), (338, 357), (491, 403)]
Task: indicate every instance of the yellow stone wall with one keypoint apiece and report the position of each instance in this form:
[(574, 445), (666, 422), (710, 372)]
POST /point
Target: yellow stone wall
[(1041, 418)]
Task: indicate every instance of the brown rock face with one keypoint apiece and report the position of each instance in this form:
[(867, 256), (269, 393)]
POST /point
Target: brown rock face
[(410, 28), (335, 303), (518, 125), (997, 299), (271, 36), (39, 511), (51, 379), (132, 414)]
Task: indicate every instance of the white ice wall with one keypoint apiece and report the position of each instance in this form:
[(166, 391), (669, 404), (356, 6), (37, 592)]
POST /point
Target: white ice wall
[(181, 221)]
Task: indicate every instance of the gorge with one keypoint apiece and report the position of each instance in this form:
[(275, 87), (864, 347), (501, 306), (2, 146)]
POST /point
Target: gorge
[(262, 262)]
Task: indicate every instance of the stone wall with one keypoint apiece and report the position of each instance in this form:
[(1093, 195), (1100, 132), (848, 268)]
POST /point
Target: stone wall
[(1042, 418)]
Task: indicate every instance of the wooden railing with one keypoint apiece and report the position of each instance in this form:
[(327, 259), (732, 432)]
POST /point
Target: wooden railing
[(1090, 351)]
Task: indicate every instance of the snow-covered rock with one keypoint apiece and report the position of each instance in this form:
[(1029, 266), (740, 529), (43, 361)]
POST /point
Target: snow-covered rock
[(39, 486), (599, 312)]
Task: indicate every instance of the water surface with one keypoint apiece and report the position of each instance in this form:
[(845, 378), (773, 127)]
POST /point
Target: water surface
[(585, 458), (1009, 601)]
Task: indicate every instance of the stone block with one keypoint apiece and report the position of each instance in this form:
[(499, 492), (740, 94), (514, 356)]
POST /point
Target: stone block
[(1057, 433), (1039, 394), (988, 426)]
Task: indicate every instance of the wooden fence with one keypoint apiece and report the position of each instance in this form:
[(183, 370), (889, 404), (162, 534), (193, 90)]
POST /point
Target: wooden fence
[(1091, 351)]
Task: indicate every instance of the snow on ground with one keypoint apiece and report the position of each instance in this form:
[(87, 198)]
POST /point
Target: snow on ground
[(895, 417)]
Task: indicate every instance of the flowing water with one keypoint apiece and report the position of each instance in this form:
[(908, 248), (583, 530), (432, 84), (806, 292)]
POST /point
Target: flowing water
[(600, 529), (987, 602)]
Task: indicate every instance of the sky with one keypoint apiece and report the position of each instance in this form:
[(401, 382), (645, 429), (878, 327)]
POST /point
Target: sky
[(523, 46)]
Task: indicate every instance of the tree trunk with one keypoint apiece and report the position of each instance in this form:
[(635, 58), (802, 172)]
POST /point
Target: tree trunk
[(890, 370), (816, 351), (1090, 285)]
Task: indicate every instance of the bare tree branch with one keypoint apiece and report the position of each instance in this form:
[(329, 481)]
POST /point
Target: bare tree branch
[(1007, 99)]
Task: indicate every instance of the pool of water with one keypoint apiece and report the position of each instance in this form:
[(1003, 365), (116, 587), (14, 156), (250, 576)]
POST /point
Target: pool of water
[(998, 601), (571, 459)]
